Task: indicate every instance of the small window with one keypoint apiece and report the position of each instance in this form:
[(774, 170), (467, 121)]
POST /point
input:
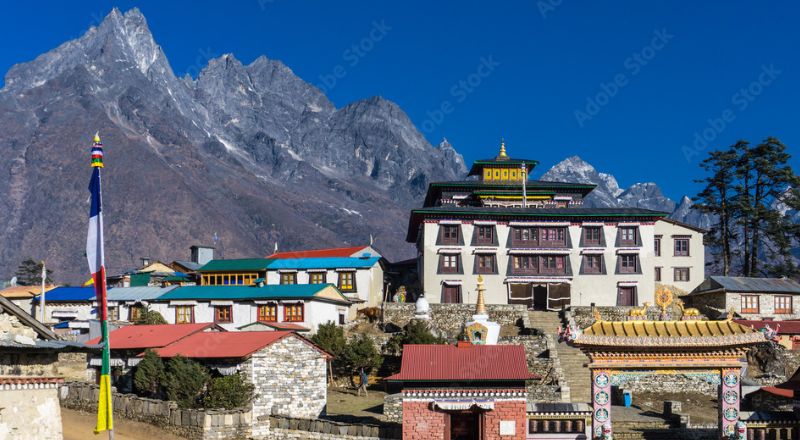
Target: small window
[(293, 312), (449, 263), (681, 274), (223, 314), (525, 236), (592, 264), (628, 263), (316, 278), (627, 236), (484, 235), (750, 304), (341, 318), (657, 246), (184, 314), (135, 313), (347, 281), (449, 234), (552, 264), (591, 236), (268, 313), (113, 313), (552, 236), (524, 263), (681, 247), (783, 305), (658, 274), (485, 263), (288, 277)]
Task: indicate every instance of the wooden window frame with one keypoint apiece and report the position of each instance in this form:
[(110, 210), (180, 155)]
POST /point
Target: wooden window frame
[(657, 245), (517, 239), (546, 269), (787, 308), (322, 275), (677, 270), (517, 268), (444, 264), (343, 286), (219, 317), (135, 312), (484, 235), (586, 236), (590, 270), (446, 235), (267, 317), (621, 232), (290, 315), (561, 234), (459, 293), (745, 299), (288, 278), (682, 252), (657, 274), (626, 269), (178, 314), (491, 269)]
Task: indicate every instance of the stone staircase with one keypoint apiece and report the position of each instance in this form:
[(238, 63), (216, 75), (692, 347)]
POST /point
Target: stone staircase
[(571, 361)]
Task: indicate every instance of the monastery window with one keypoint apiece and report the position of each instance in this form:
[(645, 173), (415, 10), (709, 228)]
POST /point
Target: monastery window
[(484, 235), (552, 264), (681, 247), (592, 264), (658, 274), (223, 314), (449, 263), (681, 274), (750, 304), (268, 313), (347, 281), (449, 234), (293, 312), (485, 263), (524, 264), (184, 314), (628, 263), (552, 236), (628, 236), (317, 278), (288, 277), (657, 245), (451, 294), (783, 305), (526, 237), (135, 313), (592, 236)]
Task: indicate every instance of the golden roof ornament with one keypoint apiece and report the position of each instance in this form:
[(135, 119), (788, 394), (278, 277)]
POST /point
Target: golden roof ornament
[(480, 308), (502, 155), (664, 298)]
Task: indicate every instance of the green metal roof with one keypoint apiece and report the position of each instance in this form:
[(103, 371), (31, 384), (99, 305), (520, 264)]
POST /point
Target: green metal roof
[(271, 291), (236, 265)]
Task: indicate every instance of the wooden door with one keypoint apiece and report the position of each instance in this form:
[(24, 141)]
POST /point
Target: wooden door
[(626, 296), (451, 294)]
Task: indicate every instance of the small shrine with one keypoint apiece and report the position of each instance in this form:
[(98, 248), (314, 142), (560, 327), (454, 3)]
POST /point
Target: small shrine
[(481, 331), (620, 351)]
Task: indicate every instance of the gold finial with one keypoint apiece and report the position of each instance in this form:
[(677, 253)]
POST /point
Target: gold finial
[(596, 313), (502, 154), (480, 309), (97, 137)]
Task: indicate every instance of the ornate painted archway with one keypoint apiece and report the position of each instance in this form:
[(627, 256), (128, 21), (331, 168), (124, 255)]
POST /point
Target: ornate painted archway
[(713, 351)]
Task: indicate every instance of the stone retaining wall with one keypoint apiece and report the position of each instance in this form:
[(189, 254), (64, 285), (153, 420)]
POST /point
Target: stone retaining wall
[(393, 407), (193, 424), (286, 428), (448, 319)]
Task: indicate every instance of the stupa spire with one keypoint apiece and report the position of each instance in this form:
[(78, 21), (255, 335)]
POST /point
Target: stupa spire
[(502, 155), (480, 308)]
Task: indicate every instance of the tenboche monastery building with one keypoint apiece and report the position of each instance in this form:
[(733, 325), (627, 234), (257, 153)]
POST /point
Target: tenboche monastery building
[(536, 243)]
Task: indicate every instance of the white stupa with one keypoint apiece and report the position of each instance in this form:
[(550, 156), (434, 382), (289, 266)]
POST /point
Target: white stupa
[(480, 330)]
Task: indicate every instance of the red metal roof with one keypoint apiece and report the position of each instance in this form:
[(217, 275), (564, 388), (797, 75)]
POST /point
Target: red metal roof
[(319, 253), (778, 391), (786, 327), (464, 362), (227, 344), (290, 326), (151, 336)]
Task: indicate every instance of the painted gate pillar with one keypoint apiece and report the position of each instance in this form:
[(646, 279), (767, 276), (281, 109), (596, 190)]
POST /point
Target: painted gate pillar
[(729, 397), (601, 404)]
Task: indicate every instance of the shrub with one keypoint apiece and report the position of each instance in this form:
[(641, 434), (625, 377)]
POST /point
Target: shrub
[(228, 392), (184, 381), (330, 337), (416, 332), (150, 317), (149, 375), (360, 352)]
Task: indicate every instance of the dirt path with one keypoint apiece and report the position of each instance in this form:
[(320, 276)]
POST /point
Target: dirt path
[(79, 426)]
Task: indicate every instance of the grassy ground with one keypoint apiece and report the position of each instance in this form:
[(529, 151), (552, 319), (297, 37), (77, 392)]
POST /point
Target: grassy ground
[(80, 426), (344, 405)]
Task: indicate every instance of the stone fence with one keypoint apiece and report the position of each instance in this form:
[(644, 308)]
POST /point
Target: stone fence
[(286, 428), (193, 424), (448, 319)]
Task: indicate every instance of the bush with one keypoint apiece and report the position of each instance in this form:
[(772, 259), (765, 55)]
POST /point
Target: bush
[(228, 392), (150, 317), (330, 337), (416, 332), (184, 381), (360, 352), (149, 375)]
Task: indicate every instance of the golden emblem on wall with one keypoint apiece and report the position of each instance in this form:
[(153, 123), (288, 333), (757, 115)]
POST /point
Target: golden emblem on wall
[(664, 298)]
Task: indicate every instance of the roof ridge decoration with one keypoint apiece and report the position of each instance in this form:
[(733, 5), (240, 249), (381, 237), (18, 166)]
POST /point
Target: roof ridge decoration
[(502, 155), (661, 334)]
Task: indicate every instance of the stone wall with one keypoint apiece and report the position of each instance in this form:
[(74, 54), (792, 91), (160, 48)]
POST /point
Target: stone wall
[(393, 407), (193, 424), (448, 319), (30, 411), (667, 383), (584, 317), (540, 359), (287, 428)]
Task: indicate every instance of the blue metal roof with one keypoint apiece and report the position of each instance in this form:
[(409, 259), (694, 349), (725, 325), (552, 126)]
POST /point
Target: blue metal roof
[(322, 263), (68, 294), (141, 293), (271, 291)]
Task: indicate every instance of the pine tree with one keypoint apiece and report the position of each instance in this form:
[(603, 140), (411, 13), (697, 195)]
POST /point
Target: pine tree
[(714, 199), (29, 273)]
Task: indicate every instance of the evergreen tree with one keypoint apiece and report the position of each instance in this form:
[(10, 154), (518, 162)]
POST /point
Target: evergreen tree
[(360, 352), (416, 332), (149, 375), (714, 199), (228, 392), (184, 381), (29, 273), (149, 317)]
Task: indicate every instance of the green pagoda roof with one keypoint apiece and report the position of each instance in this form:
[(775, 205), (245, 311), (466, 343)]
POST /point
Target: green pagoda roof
[(236, 265)]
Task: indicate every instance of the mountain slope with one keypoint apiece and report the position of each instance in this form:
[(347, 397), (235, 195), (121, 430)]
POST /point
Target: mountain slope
[(250, 154)]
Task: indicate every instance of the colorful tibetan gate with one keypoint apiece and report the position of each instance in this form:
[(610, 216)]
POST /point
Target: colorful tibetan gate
[(620, 351)]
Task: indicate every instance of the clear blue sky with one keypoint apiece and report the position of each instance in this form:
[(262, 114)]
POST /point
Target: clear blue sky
[(625, 85)]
